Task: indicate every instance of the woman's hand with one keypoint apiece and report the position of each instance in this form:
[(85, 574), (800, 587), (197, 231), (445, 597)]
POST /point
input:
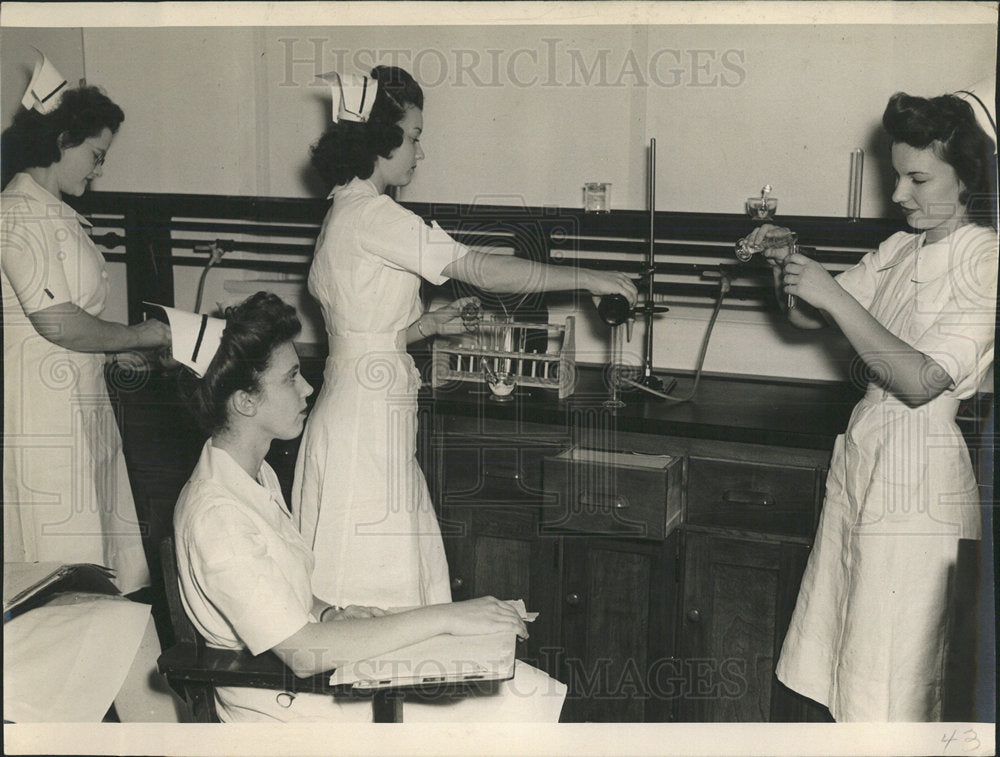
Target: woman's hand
[(774, 256), (458, 317), (483, 615), (807, 279), (151, 334), (601, 283)]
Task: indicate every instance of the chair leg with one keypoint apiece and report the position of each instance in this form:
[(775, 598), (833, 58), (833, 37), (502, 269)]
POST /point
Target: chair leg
[(387, 706)]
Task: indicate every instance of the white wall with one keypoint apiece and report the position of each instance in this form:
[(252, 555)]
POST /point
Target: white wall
[(528, 114)]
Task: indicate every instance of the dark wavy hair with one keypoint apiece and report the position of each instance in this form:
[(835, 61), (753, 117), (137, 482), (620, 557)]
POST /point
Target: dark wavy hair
[(348, 149), (35, 140), (947, 124), (254, 329)]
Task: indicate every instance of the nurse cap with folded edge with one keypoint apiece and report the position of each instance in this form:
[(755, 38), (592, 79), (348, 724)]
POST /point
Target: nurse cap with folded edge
[(194, 338), (353, 96), (46, 87)]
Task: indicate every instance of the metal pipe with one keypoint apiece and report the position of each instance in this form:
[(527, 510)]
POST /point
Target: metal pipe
[(650, 263)]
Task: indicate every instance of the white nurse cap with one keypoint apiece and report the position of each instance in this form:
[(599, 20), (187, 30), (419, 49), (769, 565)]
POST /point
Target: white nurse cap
[(982, 97), (353, 96), (194, 338), (45, 88)]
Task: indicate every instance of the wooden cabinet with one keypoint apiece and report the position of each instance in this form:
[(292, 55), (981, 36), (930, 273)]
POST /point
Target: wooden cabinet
[(665, 572), (739, 595), (595, 555), (747, 538), (496, 550), (618, 610), (489, 496)]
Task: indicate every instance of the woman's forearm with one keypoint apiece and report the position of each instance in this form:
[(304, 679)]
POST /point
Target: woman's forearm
[(908, 373), (74, 329), (505, 273), (319, 647)]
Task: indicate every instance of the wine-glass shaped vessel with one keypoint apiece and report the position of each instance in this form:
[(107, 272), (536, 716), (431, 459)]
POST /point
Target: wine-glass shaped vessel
[(762, 208)]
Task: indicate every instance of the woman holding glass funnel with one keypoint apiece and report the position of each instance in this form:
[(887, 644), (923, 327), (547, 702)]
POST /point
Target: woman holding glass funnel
[(868, 634), (359, 496)]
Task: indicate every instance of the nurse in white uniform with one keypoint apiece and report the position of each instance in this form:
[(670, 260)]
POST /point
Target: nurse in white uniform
[(244, 571), (359, 497), (66, 494), (869, 633)]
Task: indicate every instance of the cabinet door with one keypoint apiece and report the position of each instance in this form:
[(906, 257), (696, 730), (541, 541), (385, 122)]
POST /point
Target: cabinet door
[(619, 599), (738, 599), (497, 551)]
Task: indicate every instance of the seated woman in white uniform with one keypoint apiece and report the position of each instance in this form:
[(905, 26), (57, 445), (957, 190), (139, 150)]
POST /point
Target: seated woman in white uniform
[(245, 572)]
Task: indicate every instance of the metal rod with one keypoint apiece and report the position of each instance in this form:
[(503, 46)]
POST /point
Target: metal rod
[(650, 262)]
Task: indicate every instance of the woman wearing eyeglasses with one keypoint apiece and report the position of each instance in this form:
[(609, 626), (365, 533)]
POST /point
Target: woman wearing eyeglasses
[(65, 487)]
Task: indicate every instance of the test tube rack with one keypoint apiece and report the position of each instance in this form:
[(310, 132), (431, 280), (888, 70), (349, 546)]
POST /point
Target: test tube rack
[(546, 370)]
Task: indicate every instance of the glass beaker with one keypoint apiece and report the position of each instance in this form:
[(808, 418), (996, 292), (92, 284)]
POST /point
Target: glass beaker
[(597, 197)]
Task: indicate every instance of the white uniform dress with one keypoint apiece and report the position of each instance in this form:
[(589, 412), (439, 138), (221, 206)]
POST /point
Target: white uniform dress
[(359, 497), (868, 634), (66, 491), (244, 571)]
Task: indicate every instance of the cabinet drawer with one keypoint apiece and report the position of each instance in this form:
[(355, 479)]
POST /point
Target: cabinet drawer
[(775, 499), (480, 470), (612, 493)]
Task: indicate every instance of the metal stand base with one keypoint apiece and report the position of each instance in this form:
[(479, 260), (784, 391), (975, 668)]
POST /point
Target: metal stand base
[(651, 381)]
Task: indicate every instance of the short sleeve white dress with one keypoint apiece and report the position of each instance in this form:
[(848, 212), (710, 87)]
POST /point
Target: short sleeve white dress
[(869, 631), (359, 497), (66, 491)]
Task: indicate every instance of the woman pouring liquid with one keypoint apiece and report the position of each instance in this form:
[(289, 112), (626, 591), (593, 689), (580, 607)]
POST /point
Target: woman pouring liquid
[(868, 634), (359, 496)]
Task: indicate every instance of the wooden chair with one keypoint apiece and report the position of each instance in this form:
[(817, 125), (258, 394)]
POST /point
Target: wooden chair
[(194, 669)]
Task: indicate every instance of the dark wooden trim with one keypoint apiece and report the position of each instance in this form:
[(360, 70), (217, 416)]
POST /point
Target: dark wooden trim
[(154, 225)]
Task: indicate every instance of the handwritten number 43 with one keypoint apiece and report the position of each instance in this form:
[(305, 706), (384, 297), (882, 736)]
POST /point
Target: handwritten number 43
[(968, 738)]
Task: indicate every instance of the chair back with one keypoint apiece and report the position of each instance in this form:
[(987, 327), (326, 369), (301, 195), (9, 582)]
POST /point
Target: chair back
[(184, 630)]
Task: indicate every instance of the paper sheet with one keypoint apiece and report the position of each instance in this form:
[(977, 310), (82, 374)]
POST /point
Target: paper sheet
[(66, 663)]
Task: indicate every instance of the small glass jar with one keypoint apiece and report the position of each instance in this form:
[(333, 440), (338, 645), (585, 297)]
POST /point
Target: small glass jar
[(597, 197)]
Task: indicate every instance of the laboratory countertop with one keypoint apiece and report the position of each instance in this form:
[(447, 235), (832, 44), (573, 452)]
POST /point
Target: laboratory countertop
[(733, 409), (729, 408)]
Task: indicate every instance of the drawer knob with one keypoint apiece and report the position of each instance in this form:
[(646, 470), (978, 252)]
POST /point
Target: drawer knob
[(457, 583), (573, 599), (694, 616)]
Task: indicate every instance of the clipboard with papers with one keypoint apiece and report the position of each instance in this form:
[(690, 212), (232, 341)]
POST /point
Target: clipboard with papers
[(442, 659)]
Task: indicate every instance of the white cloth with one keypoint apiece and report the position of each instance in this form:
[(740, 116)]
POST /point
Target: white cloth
[(359, 497), (66, 491), (868, 634), (244, 572), (60, 663)]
